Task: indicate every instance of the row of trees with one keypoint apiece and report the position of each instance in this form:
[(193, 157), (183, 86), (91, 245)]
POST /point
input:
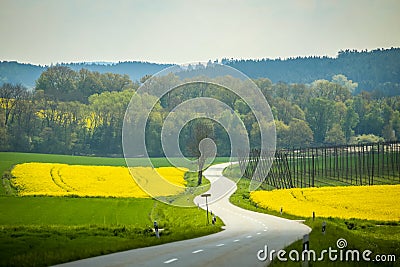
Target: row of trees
[(333, 115), (64, 84), (35, 122), (53, 119)]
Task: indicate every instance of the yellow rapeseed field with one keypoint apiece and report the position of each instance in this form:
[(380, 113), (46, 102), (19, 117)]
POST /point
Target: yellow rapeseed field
[(53, 179), (378, 202), (149, 179)]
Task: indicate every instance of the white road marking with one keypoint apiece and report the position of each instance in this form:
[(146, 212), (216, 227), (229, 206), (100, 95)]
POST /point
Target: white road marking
[(220, 245), (249, 236), (258, 233), (171, 260), (197, 251), (236, 240), (265, 230)]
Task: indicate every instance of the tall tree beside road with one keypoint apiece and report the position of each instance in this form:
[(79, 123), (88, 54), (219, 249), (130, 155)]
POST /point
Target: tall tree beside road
[(200, 130)]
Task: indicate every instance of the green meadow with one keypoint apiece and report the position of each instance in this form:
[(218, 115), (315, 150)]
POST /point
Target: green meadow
[(41, 231)]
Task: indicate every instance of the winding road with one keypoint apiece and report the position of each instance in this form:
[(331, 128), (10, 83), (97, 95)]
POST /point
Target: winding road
[(244, 234)]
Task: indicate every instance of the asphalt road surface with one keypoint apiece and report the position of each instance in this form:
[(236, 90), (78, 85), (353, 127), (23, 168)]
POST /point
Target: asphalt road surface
[(244, 235)]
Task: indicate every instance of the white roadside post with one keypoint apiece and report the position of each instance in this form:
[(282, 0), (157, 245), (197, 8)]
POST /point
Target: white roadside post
[(306, 247)]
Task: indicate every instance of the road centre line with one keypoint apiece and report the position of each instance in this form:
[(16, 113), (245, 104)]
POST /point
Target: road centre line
[(236, 240), (171, 260), (220, 245), (197, 251)]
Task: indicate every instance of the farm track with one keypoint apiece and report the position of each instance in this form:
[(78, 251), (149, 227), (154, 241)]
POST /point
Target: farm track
[(57, 179)]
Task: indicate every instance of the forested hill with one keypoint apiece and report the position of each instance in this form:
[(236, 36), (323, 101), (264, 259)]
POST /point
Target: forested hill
[(27, 74), (377, 70), (372, 70)]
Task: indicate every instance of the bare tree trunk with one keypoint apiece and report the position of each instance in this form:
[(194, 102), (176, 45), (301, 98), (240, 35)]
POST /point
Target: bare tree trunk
[(199, 177), (201, 162)]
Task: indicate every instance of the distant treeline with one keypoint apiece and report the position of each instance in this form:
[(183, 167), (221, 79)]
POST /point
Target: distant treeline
[(27, 74), (81, 112), (375, 71)]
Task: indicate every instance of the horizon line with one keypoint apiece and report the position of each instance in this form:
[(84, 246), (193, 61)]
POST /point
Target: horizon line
[(108, 63)]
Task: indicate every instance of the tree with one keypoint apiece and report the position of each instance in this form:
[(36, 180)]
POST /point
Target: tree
[(200, 130), (4, 143), (282, 131), (107, 112), (24, 122), (335, 135), (350, 121), (241, 107), (299, 134), (10, 95), (330, 90), (396, 123), (343, 81), (388, 133), (89, 83), (145, 78), (60, 82), (286, 111), (116, 82), (373, 122), (265, 86), (320, 115)]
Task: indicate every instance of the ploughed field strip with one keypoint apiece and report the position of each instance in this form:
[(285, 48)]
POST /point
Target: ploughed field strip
[(54, 179)]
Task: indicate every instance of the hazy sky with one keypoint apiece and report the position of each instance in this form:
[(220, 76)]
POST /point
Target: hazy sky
[(181, 31)]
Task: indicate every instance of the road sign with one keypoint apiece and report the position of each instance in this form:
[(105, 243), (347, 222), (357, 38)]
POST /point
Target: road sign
[(206, 195), (323, 227)]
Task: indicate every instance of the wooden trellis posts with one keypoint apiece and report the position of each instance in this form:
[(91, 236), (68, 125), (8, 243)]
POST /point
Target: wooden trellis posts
[(365, 164)]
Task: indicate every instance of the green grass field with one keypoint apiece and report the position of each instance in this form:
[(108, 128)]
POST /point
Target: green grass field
[(8, 159), (379, 237), (41, 231), (48, 230)]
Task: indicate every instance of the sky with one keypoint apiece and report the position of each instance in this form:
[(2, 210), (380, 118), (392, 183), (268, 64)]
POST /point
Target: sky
[(182, 31)]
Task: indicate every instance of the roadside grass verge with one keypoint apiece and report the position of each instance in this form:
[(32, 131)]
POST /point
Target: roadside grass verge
[(186, 198), (40, 231), (241, 197), (378, 236)]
